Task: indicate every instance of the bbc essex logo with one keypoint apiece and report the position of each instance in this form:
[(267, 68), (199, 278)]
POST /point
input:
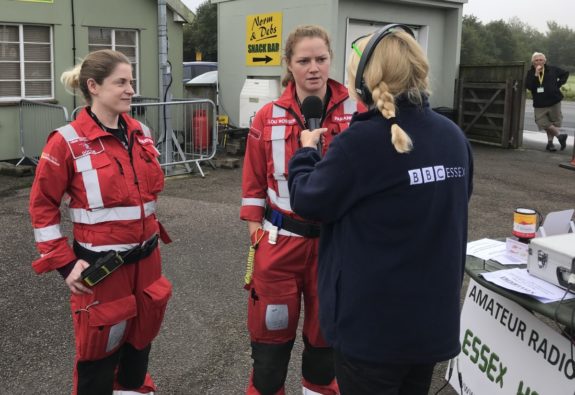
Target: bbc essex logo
[(434, 174)]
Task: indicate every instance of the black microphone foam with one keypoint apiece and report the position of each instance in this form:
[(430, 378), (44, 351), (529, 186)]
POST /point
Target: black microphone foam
[(312, 109)]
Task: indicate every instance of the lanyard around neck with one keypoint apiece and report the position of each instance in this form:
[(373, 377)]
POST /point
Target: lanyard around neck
[(541, 76)]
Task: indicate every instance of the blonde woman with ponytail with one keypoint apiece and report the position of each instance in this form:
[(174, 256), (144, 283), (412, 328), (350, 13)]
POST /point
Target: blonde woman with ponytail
[(392, 196), (106, 162)]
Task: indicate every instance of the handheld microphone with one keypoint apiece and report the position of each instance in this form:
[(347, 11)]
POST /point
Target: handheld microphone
[(312, 110)]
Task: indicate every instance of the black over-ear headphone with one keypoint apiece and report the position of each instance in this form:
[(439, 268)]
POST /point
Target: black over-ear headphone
[(386, 30)]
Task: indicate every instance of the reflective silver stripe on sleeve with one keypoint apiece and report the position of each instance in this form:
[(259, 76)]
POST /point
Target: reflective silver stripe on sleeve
[(281, 202), (68, 132), (82, 216), (349, 106), (253, 202), (47, 233), (279, 152), (112, 247)]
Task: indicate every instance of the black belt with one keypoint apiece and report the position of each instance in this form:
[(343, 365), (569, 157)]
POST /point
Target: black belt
[(305, 229), (132, 255)]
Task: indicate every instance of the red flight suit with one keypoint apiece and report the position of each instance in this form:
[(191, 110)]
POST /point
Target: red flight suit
[(111, 195), (285, 270)]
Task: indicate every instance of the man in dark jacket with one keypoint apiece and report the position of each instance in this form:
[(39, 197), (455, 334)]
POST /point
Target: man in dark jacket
[(544, 82)]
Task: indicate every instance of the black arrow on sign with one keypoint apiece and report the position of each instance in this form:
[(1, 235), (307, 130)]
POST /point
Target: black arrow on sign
[(267, 59)]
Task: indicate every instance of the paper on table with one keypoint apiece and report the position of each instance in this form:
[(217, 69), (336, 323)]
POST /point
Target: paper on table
[(485, 248), (520, 280), (515, 253)]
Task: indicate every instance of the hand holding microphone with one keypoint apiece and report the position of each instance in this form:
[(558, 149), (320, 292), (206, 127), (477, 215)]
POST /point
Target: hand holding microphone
[(312, 109)]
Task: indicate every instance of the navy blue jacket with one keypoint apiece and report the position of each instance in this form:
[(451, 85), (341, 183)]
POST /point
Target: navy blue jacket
[(553, 79), (394, 235)]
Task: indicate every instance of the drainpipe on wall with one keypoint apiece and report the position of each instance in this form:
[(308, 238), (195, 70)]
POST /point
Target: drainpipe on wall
[(73, 45), (165, 95)]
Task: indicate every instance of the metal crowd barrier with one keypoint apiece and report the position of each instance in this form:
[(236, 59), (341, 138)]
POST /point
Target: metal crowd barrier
[(185, 132), (37, 121)]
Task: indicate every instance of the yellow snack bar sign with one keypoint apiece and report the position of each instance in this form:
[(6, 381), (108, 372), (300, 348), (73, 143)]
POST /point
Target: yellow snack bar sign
[(263, 39)]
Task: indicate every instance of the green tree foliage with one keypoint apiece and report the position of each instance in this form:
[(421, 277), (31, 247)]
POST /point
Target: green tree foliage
[(202, 34), (476, 44), (561, 45), (514, 40)]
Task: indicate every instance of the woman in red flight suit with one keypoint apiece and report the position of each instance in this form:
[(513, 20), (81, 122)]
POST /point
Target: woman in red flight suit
[(105, 163), (286, 257)]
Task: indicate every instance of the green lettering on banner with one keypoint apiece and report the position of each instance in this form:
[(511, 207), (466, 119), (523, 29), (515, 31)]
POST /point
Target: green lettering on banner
[(528, 390), (489, 364), (466, 341), (527, 358)]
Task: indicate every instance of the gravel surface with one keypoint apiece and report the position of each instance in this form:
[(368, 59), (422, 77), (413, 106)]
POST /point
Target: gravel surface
[(203, 347)]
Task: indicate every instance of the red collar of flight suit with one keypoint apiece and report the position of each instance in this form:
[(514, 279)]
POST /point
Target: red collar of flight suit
[(288, 99)]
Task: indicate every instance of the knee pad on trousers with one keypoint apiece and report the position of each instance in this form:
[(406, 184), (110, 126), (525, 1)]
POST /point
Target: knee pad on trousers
[(270, 366), (317, 364), (97, 377), (133, 366)]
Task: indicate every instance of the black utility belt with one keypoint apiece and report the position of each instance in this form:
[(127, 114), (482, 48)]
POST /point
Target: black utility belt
[(301, 228), (102, 264)]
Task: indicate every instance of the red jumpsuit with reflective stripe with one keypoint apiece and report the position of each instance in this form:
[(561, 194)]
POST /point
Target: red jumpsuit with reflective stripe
[(111, 195), (288, 269)]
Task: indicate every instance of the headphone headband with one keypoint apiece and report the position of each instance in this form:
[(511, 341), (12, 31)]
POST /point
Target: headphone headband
[(386, 30)]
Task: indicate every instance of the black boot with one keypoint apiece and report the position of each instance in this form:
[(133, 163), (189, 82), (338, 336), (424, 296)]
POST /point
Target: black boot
[(562, 140)]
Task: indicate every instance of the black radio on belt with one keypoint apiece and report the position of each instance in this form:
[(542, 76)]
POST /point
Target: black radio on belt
[(102, 268)]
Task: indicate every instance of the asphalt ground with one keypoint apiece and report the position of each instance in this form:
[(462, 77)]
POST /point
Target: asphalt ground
[(203, 347)]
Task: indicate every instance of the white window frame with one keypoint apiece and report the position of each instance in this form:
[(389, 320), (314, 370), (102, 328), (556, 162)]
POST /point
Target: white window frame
[(113, 44), (22, 62)]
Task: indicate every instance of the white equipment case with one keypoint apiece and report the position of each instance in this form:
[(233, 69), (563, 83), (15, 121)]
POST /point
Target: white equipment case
[(552, 259)]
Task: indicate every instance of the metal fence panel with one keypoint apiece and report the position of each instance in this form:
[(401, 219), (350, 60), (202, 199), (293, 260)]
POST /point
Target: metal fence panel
[(185, 132), (37, 121)]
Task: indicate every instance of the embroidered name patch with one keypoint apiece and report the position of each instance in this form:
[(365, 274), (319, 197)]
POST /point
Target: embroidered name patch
[(342, 118), (82, 147), (280, 121)]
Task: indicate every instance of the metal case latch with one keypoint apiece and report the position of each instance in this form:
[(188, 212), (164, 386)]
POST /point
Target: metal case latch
[(541, 259)]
